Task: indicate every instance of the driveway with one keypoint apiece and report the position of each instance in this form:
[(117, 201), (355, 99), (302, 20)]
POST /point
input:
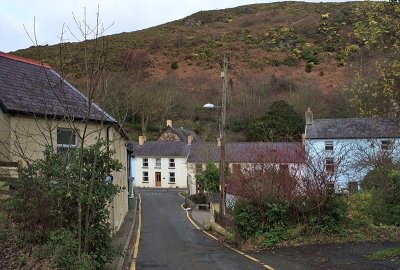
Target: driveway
[(169, 241)]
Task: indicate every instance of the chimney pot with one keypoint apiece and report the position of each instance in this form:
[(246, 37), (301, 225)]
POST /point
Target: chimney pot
[(142, 140), (219, 142), (169, 123), (309, 117), (190, 139)]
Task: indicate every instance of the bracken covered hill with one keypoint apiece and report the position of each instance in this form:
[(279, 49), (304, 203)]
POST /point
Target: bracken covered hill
[(291, 43)]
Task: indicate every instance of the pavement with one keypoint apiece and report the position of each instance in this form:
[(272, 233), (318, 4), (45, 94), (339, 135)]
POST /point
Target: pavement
[(202, 217), (123, 238)]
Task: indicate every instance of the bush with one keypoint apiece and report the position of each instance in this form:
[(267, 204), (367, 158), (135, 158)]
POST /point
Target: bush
[(45, 204), (383, 182), (174, 65), (199, 198), (309, 67)]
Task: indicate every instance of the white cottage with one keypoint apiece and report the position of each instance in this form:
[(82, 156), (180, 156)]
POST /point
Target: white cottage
[(345, 149)]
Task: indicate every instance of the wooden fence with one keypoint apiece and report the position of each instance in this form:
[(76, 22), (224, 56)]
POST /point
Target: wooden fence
[(8, 177)]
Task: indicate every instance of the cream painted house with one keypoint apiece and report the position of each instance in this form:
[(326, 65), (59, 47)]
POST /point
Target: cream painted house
[(244, 156), (39, 108)]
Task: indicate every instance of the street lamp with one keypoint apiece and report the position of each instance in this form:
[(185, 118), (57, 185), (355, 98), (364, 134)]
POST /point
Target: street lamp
[(222, 160)]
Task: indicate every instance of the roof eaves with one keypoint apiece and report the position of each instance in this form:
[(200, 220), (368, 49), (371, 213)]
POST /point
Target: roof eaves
[(24, 60)]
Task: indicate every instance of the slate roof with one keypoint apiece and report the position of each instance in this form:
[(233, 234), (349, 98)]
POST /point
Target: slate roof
[(160, 149), (353, 128), (248, 152), (31, 88)]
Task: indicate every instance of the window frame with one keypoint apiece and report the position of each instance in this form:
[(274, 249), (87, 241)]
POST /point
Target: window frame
[(171, 163), (386, 145), (63, 148), (145, 175), (171, 176), (329, 146), (330, 166), (158, 163), (145, 162)]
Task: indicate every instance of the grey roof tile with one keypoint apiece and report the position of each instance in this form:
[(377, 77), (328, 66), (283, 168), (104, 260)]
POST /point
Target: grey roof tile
[(353, 128), (248, 152), (27, 87), (160, 149)]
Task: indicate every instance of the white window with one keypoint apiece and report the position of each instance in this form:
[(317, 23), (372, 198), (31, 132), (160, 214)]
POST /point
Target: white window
[(66, 139), (145, 162), (172, 178), (158, 162), (329, 146), (172, 163), (386, 145), (145, 177), (329, 165)]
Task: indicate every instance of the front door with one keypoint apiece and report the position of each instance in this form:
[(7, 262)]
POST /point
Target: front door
[(158, 179)]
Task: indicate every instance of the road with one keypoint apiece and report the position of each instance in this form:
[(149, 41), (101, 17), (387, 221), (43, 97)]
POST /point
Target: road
[(169, 241)]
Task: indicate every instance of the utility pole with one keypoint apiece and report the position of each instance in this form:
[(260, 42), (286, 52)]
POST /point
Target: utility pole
[(222, 161)]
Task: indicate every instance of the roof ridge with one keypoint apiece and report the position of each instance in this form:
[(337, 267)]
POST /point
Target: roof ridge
[(24, 60)]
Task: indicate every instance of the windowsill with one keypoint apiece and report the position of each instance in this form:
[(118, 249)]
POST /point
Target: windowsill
[(171, 183), (145, 182), (145, 167), (157, 167), (171, 167)]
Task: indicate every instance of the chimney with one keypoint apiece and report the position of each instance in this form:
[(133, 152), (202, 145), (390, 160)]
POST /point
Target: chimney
[(219, 142), (142, 140), (190, 138), (309, 117), (169, 123)]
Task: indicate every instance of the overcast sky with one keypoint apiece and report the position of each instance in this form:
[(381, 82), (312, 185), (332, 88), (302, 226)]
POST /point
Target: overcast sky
[(47, 17)]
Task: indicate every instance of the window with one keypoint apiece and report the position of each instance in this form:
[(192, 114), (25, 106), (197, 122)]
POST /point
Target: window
[(199, 168), (66, 139), (172, 178), (145, 162), (145, 177), (172, 163), (329, 165), (158, 162), (386, 145), (329, 146)]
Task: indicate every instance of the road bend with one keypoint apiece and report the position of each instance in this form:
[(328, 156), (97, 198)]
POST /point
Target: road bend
[(169, 241)]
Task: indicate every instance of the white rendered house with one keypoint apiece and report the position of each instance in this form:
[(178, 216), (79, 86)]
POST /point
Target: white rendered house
[(348, 148)]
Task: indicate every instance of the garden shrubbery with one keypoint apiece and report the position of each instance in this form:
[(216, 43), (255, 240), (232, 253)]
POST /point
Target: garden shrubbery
[(47, 201)]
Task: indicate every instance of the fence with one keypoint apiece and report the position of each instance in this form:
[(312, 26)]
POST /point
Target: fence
[(8, 177)]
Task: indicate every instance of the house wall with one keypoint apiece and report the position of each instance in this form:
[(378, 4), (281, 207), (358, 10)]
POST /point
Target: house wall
[(29, 136), (180, 172), (298, 169), (4, 137), (350, 157)]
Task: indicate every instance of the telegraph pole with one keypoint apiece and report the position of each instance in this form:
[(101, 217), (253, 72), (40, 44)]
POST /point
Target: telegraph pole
[(222, 161)]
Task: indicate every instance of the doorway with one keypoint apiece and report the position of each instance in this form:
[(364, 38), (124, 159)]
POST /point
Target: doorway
[(158, 179)]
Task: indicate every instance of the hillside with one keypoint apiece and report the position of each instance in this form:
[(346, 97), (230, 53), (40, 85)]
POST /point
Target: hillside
[(289, 50)]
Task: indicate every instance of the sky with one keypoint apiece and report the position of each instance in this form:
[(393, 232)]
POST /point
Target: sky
[(24, 23)]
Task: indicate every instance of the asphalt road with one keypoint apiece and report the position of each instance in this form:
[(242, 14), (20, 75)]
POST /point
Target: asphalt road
[(169, 241)]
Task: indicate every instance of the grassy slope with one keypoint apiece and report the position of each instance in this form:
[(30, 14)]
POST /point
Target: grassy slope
[(200, 48)]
